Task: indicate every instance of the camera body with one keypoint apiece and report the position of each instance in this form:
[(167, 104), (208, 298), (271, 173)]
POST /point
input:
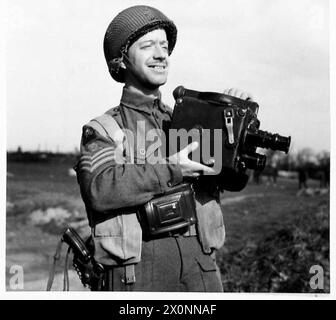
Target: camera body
[(220, 121)]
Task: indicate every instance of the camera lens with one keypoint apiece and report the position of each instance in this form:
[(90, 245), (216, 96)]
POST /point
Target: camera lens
[(264, 139), (254, 161)]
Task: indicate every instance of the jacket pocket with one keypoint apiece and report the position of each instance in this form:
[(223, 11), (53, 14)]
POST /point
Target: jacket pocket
[(206, 263), (209, 274), (210, 223), (118, 240)]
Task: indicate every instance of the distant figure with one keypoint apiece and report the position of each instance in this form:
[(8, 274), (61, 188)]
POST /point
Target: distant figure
[(274, 174), (271, 172), (256, 176), (321, 177), (327, 176), (302, 178), (324, 177)]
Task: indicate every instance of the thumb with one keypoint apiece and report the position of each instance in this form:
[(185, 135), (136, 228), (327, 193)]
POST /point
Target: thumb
[(191, 147)]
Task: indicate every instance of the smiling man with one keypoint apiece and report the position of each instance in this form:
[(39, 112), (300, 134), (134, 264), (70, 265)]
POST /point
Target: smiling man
[(150, 231)]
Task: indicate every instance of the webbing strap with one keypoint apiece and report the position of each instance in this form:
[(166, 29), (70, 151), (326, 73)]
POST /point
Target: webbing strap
[(113, 130), (129, 274), (111, 127), (57, 256), (66, 273)]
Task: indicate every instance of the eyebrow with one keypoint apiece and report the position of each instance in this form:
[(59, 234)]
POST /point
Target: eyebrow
[(152, 41)]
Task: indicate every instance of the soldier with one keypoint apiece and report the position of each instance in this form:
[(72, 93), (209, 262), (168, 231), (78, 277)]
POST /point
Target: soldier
[(302, 176), (117, 182)]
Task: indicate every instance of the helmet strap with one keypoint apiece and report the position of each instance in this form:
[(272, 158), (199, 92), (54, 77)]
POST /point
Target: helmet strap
[(115, 64)]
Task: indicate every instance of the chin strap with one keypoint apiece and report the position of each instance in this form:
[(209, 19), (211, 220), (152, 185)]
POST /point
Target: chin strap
[(115, 64)]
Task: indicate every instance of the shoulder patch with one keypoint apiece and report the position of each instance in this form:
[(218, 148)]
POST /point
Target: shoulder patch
[(88, 135)]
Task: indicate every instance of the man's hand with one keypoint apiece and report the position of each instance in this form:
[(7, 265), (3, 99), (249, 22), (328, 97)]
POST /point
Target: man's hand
[(190, 168), (238, 94)]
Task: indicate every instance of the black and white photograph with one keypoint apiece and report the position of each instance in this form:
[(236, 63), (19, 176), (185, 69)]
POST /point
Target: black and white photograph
[(168, 146)]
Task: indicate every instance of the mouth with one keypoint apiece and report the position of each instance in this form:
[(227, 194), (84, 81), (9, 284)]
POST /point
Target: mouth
[(158, 67)]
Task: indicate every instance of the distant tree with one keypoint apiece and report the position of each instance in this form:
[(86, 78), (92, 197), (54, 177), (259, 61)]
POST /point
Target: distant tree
[(324, 158), (305, 156)]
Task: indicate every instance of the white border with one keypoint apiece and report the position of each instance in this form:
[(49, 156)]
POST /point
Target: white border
[(173, 295)]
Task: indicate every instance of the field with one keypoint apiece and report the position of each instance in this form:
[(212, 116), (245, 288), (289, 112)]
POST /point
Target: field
[(274, 234)]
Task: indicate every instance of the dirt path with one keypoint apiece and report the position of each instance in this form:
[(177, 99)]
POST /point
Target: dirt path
[(31, 250), (236, 199)]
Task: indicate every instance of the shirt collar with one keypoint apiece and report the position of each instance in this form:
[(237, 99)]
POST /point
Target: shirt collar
[(140, 102)]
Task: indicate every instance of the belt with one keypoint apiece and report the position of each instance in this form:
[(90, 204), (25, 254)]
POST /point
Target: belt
[(189, 231)]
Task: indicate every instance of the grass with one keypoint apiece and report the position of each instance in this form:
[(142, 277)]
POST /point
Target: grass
[(274, 239)]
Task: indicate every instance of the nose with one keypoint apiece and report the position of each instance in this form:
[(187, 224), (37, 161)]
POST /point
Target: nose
[(159, 52)]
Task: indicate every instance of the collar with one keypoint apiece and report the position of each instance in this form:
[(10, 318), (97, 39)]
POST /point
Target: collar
[(140, 102)]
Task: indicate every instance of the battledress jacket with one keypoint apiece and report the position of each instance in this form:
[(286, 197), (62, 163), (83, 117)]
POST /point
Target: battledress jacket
[(113, 185)]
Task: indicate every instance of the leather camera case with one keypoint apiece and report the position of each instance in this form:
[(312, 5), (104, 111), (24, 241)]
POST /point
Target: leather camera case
[(174, 210)]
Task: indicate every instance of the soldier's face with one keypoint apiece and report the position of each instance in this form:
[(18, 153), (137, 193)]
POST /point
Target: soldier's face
[(149, 60)]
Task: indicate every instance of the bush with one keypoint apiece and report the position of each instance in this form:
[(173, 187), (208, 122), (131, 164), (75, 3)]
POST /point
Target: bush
[(281, 261)]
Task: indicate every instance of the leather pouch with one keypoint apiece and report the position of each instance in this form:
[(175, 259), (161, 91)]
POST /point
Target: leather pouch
[(168, 213)]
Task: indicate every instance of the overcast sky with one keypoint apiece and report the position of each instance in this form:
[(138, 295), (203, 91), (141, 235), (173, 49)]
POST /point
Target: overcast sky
[(277, 50)]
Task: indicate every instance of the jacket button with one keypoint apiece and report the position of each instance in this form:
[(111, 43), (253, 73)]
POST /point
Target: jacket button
[(142, 151)]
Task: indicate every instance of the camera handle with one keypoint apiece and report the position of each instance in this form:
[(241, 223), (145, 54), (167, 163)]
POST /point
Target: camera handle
[(215, 97)]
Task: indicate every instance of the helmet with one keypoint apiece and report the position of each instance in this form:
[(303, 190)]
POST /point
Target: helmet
[(128, 26)]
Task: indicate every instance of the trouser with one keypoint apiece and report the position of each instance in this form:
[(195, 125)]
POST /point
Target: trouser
[(169, 264)]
